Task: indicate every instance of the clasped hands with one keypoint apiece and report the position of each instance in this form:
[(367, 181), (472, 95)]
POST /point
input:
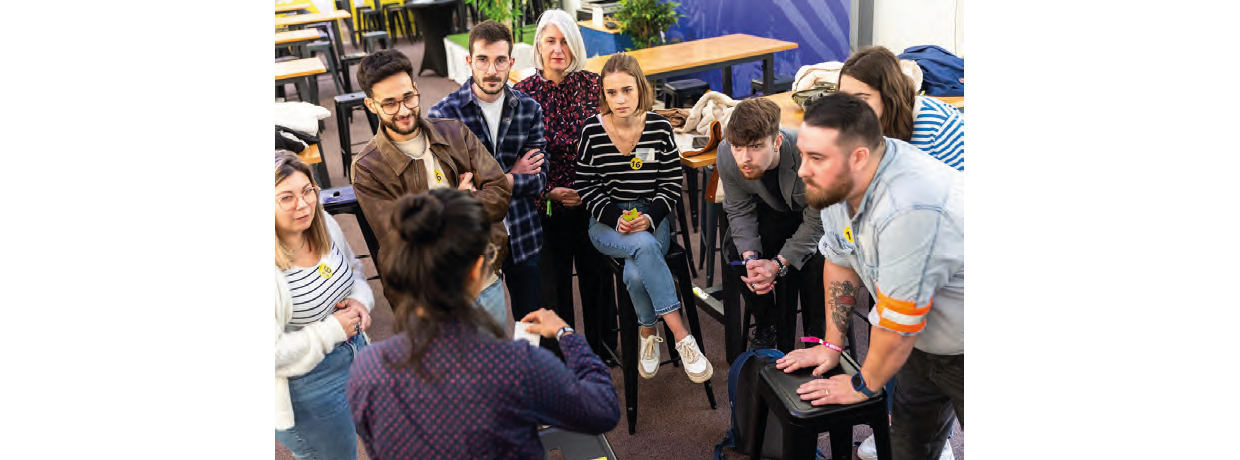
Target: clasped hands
[(761, 274), (351, 314)]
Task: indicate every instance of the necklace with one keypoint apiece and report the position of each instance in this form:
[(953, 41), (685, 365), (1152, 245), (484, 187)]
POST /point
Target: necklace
[(303, 245), (633, 140)]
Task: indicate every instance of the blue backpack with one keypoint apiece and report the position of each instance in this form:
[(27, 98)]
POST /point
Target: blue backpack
[(742, 399)]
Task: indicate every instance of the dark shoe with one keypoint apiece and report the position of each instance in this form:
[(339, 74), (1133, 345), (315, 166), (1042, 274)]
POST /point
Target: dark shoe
[(764, 337)]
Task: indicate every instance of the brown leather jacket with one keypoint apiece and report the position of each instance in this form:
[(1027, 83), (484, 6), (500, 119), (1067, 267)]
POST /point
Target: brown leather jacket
[(383, 174)]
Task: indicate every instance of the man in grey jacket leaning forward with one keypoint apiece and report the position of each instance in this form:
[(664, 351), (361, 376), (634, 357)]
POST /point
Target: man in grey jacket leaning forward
[(772, 228)]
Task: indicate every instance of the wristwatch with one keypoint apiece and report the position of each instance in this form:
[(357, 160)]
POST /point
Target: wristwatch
[(783, 269), (562, 331), (858, 383)]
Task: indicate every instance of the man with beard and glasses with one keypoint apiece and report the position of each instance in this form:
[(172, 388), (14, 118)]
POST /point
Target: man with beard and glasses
[(510, 125), (893, 219), (771, 227), (413, 154)]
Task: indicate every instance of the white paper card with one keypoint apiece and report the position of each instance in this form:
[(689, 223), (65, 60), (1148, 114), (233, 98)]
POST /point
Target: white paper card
[(518, 333), (646, 154), (598, 17)]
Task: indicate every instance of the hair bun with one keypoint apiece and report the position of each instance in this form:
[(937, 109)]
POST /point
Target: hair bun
[(419, 218)]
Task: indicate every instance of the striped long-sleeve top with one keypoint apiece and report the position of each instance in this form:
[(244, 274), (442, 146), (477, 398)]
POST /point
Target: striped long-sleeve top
[(938, 129), (651, 171)]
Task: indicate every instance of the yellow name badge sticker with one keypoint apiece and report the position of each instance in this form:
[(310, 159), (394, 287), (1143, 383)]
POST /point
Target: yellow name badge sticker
[(848, 234), (438, 177), (635, 163), (324, 271)]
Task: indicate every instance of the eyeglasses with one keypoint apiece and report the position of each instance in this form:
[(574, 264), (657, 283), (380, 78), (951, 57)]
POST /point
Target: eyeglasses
[(501, 64), (391, 107), (288, 201)]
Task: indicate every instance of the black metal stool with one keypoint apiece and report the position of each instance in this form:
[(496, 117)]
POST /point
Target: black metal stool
[(680, 92), (801, 422), (371, 39), (371, 19), (345, 105), (781, 84), (346, 61), (329, 52), (679, 266), (395, 20), (342, 200)]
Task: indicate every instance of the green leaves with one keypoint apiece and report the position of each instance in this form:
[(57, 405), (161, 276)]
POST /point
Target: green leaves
[(499, 10), (645, 20)]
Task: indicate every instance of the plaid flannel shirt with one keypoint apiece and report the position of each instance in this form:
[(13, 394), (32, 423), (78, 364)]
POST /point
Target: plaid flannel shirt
[(520, 129)]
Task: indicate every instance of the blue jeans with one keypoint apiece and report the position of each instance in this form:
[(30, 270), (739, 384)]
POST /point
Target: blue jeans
[(323, 424), (524, 280), (491, 299), (646, 275)]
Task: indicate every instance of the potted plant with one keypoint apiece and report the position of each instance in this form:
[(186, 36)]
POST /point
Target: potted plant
[(499, 10), (645, 20)]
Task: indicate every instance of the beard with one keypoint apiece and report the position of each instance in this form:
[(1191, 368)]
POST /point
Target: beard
[(821, 198), (754, 173), (390, 124), (495, 79)]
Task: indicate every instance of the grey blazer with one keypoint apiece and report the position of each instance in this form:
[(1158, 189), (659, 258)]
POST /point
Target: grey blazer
[(742, 215)]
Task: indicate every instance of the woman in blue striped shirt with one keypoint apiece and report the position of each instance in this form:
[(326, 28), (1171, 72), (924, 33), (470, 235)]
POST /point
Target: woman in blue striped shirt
[(627, 161), (873, 74)]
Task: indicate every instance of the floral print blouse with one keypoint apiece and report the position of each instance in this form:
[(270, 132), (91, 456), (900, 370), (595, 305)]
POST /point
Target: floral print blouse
[(565, 109)]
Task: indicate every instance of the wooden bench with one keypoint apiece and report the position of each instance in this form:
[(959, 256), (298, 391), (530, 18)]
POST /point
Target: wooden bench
[(290, 7), (302, 72)]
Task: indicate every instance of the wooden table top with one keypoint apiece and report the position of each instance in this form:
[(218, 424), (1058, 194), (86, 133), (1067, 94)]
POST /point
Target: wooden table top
[(292, 7), (294, 36), (299, 68), (299, 19), (790, 113), (589, 24), (311, 155), (695, 53)]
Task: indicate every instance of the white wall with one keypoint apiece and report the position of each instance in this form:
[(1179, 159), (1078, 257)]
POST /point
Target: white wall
[(899, 24)]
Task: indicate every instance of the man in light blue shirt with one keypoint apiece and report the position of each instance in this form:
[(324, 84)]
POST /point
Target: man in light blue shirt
[(893, 219)]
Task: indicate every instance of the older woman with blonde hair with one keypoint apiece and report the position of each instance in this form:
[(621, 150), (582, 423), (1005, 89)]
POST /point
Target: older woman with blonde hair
[(569, 97), (322, 305)]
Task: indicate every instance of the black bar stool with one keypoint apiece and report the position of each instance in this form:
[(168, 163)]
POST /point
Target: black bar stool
[(342, 200), (801, 422), (345, 105), (677, 262)]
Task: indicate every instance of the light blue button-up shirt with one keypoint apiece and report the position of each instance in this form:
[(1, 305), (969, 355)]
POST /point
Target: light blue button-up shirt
[(906, 242)]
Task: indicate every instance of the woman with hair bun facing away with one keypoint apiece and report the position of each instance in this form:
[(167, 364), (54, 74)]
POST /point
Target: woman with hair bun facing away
[(448, 384)]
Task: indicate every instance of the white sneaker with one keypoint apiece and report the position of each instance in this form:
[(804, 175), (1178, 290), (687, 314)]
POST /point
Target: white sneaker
[(947, 451), (648, 355), (867, 451), (696, 365)]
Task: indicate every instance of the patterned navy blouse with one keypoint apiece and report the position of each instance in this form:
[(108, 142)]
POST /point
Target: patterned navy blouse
[(565, 109), (487, 399)]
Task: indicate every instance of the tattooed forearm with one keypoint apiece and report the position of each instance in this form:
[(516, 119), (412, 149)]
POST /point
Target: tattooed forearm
[(841, 302)]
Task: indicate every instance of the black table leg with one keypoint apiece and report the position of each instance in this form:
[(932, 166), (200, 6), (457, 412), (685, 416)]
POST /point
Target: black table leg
[(768, 74), (691, 179), (727, 81)]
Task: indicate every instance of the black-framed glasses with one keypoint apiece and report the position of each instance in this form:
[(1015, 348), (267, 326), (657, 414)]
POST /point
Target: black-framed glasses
[(501, 63), (391, 107), (288, 201)]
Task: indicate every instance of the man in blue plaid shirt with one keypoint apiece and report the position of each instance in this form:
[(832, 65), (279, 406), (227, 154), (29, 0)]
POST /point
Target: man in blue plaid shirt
[(509, 123)]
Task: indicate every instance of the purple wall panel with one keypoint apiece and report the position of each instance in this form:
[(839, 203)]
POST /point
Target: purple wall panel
[(819, 27)]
